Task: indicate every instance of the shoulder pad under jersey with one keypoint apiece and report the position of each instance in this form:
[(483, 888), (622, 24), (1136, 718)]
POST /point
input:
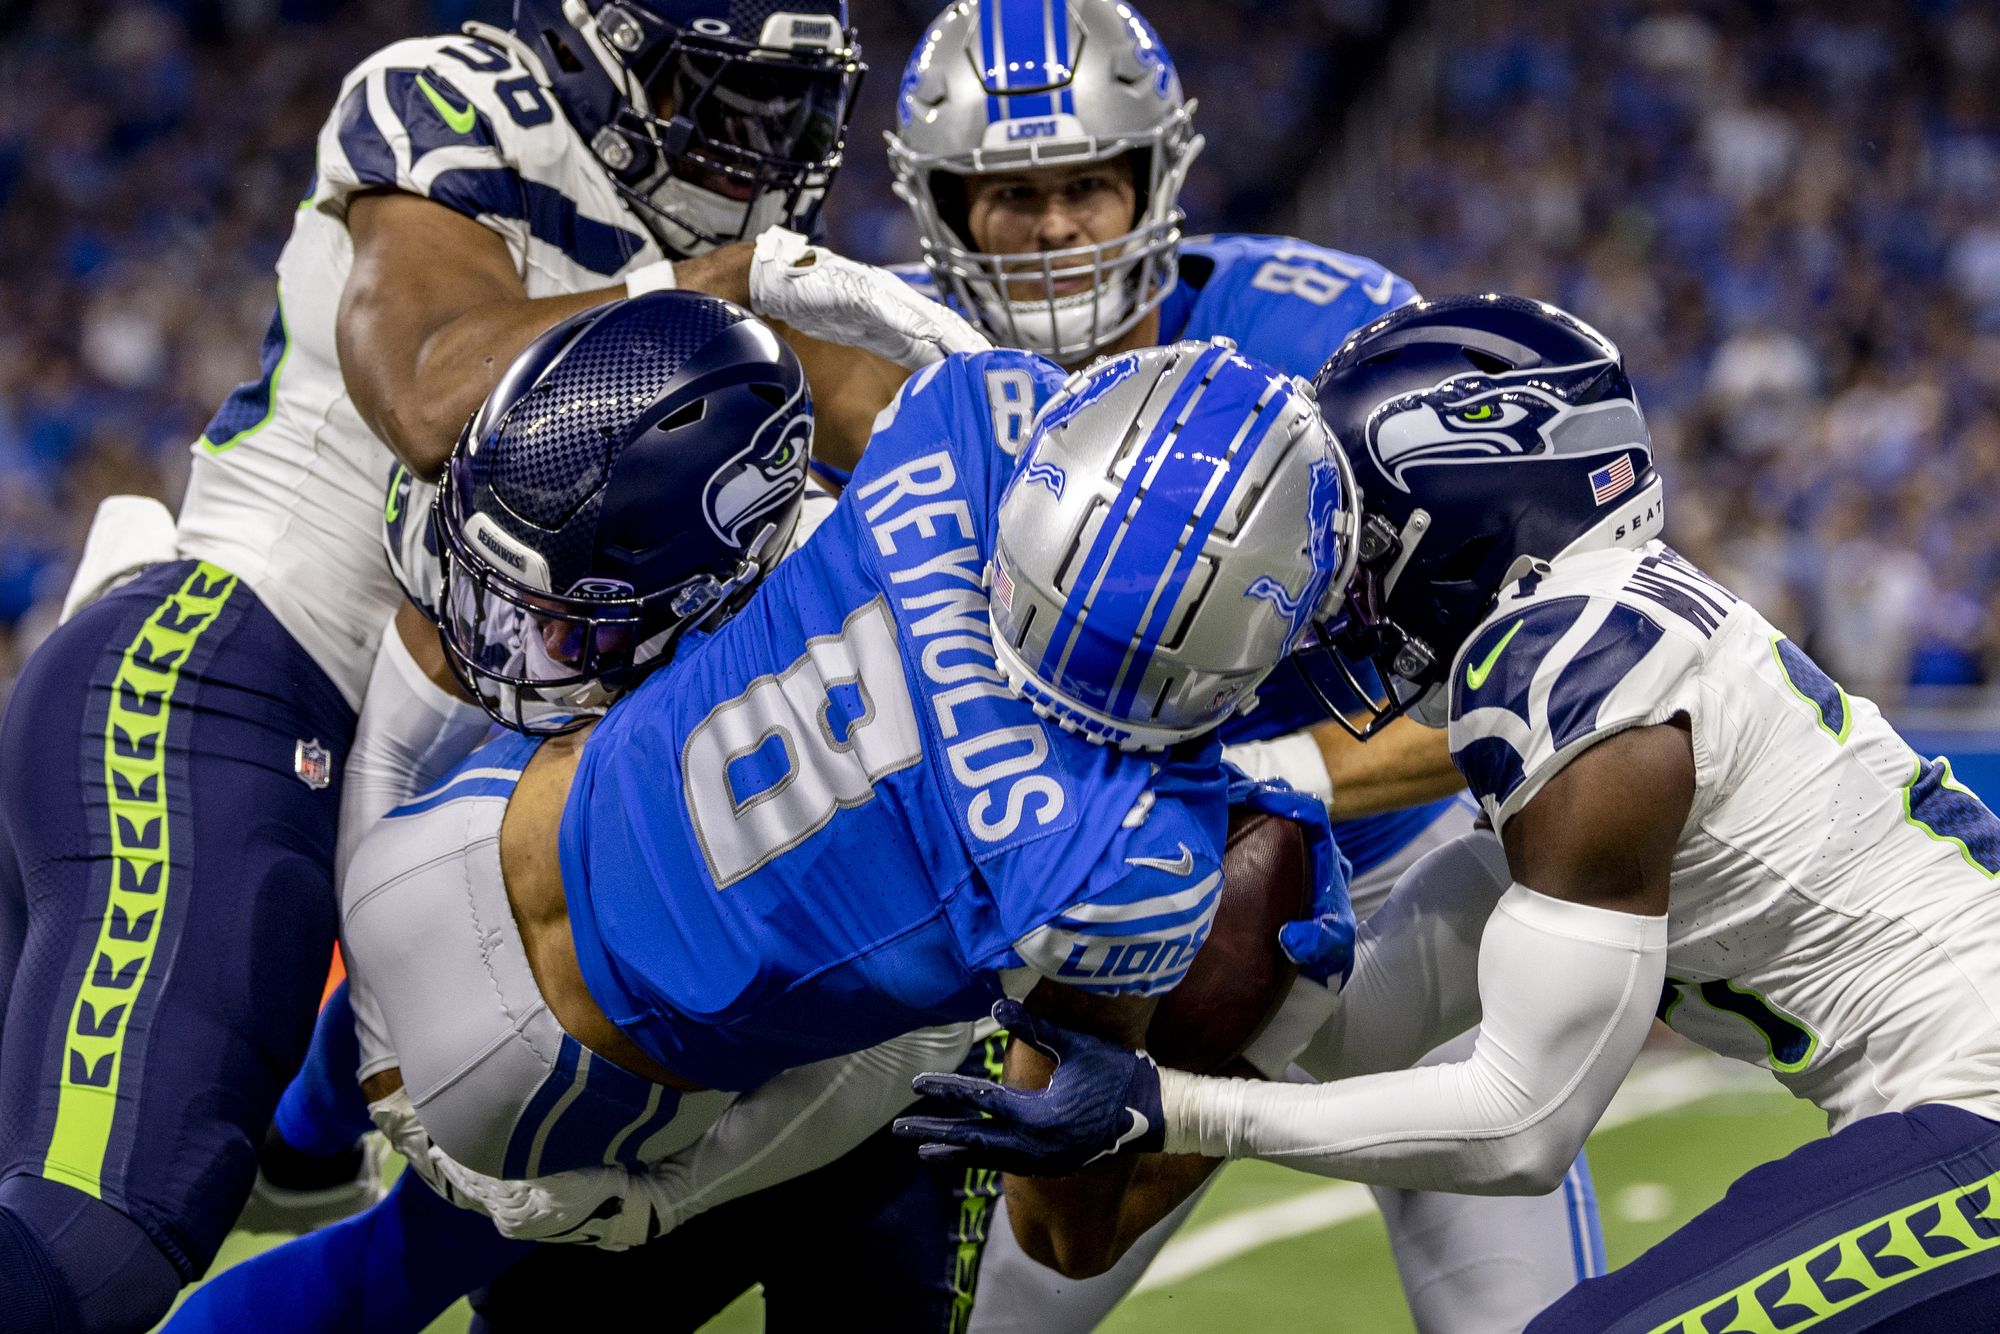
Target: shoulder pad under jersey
[(1604, 641), (1282, 300), (467, 122)]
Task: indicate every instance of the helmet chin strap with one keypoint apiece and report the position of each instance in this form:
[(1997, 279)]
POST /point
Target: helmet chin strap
[(1048, 326), (707, 214), (585, 23)]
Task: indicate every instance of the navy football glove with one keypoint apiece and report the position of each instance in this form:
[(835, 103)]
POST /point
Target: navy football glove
[(1102, 1100)]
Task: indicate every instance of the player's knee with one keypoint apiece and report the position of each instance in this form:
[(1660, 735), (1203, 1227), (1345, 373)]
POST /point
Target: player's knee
[(70, 1264)]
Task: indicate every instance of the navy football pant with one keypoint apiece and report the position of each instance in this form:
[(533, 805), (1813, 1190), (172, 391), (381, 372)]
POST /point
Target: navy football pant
[(1891, 1226), (168, 786)]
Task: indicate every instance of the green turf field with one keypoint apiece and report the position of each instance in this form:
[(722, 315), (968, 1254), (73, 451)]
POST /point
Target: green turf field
[(1684, 1128)]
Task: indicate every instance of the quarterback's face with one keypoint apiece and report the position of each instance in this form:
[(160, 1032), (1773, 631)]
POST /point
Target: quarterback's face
[(1050, 208)]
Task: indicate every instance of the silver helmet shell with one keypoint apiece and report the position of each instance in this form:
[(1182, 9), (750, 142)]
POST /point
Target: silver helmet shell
[(1182, 516), (1011, 85)]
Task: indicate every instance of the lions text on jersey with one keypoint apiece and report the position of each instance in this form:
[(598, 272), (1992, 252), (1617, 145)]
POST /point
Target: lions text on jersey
[(1832, 909), (286, 490), (832, 822)]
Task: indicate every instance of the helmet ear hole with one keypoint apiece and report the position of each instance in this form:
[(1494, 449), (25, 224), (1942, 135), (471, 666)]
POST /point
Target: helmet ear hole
[(952, 198), (566, 60), (1463, 563)]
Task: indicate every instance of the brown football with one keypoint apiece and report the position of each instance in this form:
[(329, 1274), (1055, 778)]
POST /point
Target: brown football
[(1238, 979)]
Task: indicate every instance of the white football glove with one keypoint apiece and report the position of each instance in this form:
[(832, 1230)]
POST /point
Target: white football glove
[(564, 1207), (836, 300)]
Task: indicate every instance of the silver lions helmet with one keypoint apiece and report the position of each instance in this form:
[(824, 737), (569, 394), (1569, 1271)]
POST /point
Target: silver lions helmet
[(1011, 85), (1181, 518)]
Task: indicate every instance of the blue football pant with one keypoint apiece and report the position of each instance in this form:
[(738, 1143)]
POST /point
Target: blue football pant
[(394, 1267), (1891, 1226)]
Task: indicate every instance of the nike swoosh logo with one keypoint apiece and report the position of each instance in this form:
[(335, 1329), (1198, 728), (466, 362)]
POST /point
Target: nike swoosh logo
[(1140, 1125), (1184, 866), (1379, 293), (394, 507), (1475, 677), (459, 121)]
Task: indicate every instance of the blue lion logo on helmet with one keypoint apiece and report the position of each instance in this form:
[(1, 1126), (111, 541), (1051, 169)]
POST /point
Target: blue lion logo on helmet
[(1471, 419)]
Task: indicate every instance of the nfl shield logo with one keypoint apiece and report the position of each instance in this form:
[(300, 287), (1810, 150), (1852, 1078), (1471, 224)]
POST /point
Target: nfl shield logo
[(313, 763)]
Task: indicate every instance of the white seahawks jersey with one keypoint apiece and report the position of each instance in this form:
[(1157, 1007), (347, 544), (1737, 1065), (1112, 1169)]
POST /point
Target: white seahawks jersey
[(287, 485), (1833, 914)]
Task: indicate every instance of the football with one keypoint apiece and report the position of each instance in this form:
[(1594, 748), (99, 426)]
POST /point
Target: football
[(1240, 977)]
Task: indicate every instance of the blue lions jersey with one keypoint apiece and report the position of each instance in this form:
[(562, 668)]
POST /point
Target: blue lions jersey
[(831, 821)]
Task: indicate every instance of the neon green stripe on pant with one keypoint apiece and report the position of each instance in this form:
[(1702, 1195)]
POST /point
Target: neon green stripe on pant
[(135, 778), (1921, 1237)]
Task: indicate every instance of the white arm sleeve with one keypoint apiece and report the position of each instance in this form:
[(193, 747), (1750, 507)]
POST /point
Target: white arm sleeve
[(1568, 993), (409, 735), (803, 1119), (1416, 973)]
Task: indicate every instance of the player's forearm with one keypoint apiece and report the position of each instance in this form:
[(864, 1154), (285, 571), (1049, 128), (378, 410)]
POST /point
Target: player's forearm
[(1406, 765), (458, 364), (1082, 1225), (1568, 993), (420, 412), (801, 1120), (850, 386)]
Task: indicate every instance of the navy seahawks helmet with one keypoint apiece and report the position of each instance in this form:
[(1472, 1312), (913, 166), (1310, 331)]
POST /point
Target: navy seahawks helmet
[(715, 118), (1489, 435), (634, 475)]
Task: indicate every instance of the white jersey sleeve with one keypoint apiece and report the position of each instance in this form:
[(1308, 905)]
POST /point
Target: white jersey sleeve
[(1611, 640), (1832, 906), (470, 122)]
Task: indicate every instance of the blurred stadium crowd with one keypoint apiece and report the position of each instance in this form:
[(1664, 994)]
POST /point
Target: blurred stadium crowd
[(1787, 214)]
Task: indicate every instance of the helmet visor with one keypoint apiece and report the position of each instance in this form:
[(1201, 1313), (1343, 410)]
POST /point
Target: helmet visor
[(755, 111), (541, 664)]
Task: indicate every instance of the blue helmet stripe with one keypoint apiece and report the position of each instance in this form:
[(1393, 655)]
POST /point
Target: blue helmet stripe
[(1157, 542), (1203, 488), (987, 20), (1062, 640), (1019, 42)]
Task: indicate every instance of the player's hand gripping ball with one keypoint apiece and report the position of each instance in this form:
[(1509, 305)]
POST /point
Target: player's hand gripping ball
[(1102, 1100)]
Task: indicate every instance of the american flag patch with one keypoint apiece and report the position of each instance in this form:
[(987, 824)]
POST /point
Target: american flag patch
[(1003, 586), (1613, 479)]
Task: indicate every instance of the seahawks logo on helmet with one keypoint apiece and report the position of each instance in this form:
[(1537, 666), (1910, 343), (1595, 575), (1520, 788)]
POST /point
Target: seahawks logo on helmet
[(1471, 419), (756, 483)]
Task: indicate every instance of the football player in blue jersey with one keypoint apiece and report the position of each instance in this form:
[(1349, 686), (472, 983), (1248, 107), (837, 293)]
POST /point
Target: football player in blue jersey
[(1042, 150), (670, 908), (1689, 821)]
